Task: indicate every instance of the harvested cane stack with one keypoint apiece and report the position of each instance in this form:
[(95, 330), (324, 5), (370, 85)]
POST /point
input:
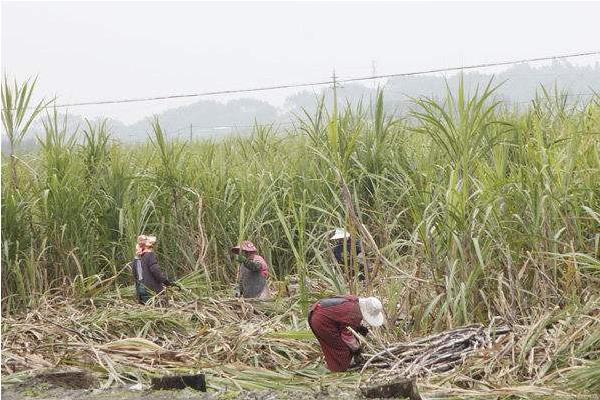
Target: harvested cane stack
[(432, 354)]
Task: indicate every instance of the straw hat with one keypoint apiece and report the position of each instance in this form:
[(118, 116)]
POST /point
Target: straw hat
[(246, 246), (339, 233), (371, 310), (147, 241)]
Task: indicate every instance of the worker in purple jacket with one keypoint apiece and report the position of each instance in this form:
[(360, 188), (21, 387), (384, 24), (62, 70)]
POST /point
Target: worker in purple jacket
[(149, 279)]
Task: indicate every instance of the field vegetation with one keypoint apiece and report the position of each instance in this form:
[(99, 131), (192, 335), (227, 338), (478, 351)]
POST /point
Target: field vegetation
[(470, 211)]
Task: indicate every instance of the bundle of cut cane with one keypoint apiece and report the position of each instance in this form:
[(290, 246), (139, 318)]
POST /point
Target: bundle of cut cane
[(432, 354)]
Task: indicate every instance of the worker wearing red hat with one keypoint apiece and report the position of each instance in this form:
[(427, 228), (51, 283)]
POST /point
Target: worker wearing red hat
[(253, 272)]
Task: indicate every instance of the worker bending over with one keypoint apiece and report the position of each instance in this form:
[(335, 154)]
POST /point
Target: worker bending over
[(329, 320)]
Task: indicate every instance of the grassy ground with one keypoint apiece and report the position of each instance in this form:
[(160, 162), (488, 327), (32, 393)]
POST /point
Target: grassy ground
[(254, 346)]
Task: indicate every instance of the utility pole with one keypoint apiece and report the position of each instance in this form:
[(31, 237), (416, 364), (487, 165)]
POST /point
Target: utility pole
[(374, 74), (335, 87), (191, 132)]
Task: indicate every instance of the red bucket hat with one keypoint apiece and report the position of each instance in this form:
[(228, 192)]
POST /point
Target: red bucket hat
[(246, 246)]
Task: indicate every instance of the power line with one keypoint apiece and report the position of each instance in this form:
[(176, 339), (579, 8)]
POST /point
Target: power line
[(328, 82), (468, 67)]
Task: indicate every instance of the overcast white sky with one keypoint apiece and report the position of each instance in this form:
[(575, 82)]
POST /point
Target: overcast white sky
[(104, 50)]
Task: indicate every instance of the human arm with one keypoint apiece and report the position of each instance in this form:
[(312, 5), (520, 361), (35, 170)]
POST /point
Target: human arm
[(155, 269), (360, 254), (338, 253), (252, 265), (354, 344), (133, 267), (350, 340)]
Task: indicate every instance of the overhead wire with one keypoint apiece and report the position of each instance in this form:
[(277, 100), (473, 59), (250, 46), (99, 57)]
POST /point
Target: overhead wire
[(326, 82)]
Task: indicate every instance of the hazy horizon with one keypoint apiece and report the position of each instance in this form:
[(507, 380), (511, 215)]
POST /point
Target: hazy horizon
[(96, 51)]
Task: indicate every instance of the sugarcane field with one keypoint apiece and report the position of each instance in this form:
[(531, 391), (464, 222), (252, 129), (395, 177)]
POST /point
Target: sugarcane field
[(428, 232)]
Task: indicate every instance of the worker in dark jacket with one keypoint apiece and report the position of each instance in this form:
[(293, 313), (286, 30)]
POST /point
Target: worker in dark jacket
[(342, 251), (329, 320), (149, 278), (253, 272)]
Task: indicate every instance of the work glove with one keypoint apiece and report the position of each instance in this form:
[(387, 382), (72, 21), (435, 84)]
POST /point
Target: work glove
[(357, 357), (241, 258), (363, 330)]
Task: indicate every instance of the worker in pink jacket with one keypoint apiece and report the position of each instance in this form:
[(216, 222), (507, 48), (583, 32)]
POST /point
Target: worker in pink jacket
[(253, 272)]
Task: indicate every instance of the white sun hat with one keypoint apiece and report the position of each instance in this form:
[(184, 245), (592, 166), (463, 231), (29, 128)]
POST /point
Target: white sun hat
[(339, 233), (371, 310)]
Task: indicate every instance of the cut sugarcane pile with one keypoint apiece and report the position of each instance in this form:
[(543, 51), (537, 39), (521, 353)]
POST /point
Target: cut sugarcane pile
[(122, 339), (267, 346), (432, 354)]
